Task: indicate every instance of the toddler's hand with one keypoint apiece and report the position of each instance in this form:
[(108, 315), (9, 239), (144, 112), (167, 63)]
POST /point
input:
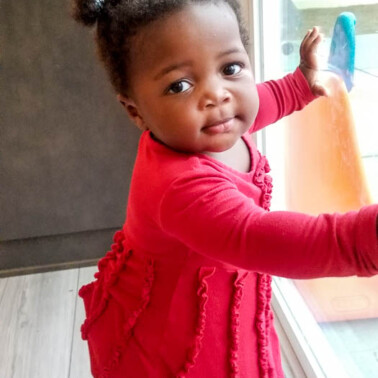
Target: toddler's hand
[(309, 62)]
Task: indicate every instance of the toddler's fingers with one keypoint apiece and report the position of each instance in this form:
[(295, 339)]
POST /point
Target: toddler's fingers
[(316, 41), (312, 36), (304, 41), (314, 32), (310, 50)]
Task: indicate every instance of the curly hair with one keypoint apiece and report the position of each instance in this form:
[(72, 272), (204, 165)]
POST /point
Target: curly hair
[(118, 21)]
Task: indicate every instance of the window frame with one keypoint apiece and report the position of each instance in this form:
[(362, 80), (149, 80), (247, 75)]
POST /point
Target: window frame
[(304, 348)]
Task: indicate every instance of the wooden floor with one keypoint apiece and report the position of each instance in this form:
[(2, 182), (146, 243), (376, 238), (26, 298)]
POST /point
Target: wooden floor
[(41, 314), (40, 318)]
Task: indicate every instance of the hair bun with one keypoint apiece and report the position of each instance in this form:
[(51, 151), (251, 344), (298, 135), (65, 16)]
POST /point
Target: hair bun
[(87, 11)]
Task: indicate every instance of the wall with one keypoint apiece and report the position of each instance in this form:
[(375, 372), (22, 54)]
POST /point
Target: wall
[(67, 148)]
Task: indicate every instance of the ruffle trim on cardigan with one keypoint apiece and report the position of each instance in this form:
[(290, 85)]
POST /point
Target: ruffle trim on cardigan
[(263, 323), (109, 268), (264, 182), (235, 321), (264, 289), (116, 257), (131, 321), (202, 294)]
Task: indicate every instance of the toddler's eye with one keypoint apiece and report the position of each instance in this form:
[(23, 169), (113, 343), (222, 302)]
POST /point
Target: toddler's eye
[(232, 69), (178, 87)]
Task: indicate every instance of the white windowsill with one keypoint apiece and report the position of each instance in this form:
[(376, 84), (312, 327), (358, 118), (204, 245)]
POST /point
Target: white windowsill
[(306, 352)]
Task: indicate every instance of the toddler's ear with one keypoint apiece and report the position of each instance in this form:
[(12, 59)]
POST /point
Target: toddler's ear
[(132, 111)]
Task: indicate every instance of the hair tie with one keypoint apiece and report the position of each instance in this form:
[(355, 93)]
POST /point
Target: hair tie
[(99, 5)]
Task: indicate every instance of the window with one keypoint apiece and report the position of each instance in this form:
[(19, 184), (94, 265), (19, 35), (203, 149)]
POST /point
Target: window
[(332, 324)]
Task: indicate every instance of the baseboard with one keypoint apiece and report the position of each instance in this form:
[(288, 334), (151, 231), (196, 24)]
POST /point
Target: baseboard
[(55, 252)]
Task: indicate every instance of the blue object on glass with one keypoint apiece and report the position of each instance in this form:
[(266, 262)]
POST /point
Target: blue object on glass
[(343, 48)]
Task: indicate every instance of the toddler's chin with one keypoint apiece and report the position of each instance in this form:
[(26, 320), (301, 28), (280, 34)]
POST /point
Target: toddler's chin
[(222, 147)]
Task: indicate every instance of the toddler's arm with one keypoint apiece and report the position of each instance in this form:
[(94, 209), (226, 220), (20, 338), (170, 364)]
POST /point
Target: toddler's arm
[(279, 98), (211, 216)]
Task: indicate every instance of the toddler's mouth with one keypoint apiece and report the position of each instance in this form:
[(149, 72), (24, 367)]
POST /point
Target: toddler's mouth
[(221, 126)]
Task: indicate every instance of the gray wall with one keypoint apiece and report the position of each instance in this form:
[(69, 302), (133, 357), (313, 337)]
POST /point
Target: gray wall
[(67, 148)]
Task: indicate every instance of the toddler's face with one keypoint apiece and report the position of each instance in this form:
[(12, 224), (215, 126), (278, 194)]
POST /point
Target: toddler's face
[(191, 80)]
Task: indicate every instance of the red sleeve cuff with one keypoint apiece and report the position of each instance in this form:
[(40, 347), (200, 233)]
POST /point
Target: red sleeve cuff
[(303, 85), (366, 236)]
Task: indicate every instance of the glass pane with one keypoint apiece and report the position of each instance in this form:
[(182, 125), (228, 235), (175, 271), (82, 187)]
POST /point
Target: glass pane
[(331, 155)]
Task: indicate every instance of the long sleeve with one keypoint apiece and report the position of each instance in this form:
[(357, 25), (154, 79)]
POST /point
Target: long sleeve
[(279, 98), (208, 214)]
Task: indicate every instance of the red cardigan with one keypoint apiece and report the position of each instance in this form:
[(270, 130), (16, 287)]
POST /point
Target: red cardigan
[(185, 290)]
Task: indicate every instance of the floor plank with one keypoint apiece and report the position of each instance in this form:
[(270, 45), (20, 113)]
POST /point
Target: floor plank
[(3, 284), (80, 359), (37, 314)]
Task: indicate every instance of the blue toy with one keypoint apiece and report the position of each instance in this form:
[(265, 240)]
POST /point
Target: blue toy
[(343, 48)]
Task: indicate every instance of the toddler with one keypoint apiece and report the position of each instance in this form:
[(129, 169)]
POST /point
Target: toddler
[(185, 290)]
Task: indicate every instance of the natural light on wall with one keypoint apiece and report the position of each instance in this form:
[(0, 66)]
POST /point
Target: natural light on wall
[(331, 160)]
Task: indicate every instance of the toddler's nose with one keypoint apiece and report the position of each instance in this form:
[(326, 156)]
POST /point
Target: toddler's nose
[(214, 94)]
